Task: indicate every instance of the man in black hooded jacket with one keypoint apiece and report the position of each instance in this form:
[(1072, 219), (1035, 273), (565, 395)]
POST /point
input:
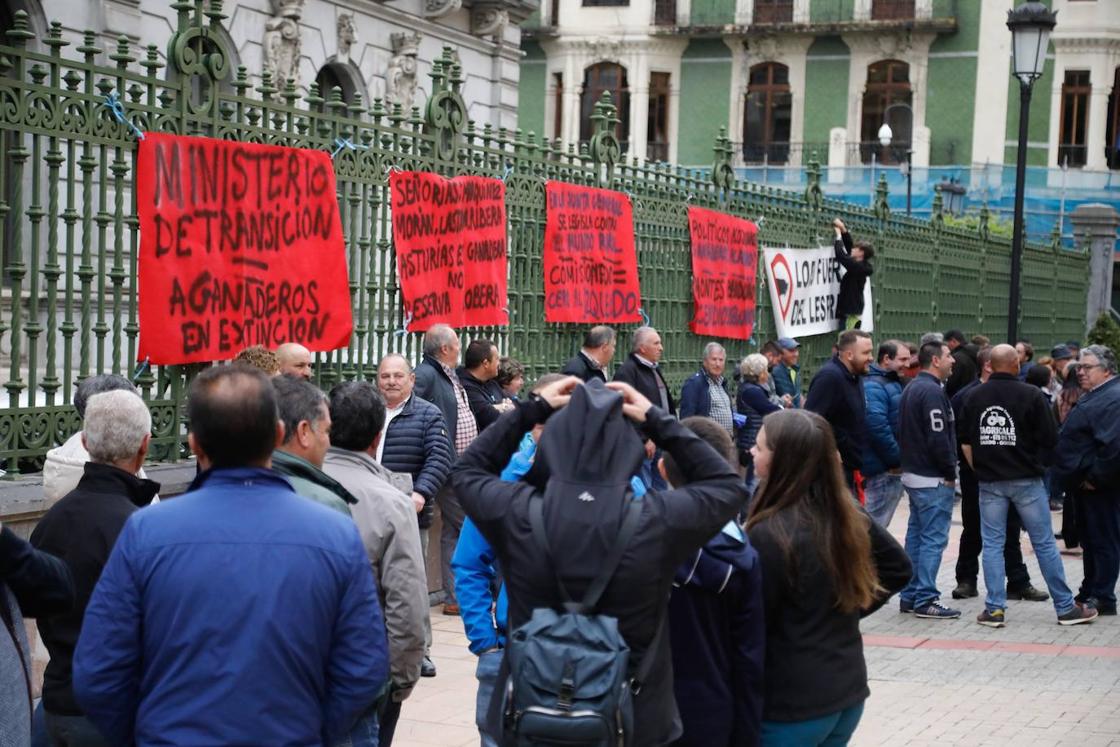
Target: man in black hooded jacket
[(591, 436), (856, 261)]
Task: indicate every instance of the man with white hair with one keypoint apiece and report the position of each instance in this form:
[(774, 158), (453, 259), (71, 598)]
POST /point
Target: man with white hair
[(705, 392), (640, 370), (295, 360), (81, 529)]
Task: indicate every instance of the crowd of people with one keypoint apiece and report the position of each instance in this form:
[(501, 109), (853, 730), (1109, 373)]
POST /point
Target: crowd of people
[(708, 558)]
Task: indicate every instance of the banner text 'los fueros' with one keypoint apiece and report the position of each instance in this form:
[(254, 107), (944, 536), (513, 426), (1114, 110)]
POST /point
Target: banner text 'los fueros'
[(240, 244)]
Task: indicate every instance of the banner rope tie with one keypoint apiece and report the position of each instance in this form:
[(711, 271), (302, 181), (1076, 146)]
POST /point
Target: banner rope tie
[(645, 317), (341, 143), (116, 108), (404, 325)]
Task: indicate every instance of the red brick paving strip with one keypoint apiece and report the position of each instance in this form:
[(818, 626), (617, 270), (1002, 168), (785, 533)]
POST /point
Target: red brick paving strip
[(1042, 649)]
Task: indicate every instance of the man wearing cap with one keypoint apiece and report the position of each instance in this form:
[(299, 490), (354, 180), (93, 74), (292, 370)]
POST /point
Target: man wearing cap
[(1060, 358), (787, 374)]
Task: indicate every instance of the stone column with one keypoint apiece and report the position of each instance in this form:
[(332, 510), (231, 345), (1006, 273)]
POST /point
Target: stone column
[(1094, 226)]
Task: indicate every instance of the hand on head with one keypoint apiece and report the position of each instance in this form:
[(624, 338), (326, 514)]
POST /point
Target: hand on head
[(559, 393), (635, 405)]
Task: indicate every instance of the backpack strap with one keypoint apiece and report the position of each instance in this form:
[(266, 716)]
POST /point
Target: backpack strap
[(610, 565), (646, 664)]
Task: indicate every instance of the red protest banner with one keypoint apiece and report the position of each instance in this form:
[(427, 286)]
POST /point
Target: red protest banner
[(450, 237), (724, 263), (240, 244), (590, 264)]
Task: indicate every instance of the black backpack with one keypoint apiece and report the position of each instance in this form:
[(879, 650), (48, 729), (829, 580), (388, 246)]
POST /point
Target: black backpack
[(568, 671)]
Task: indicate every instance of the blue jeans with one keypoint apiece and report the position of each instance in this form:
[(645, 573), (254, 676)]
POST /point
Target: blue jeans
[(365, 732), (931, 511), (829, 731), (883, 492), (487, 674), (1033, 504)]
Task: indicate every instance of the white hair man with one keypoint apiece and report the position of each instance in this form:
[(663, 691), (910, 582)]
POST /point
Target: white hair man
[(81, 529), (640, 370), (705, 392)]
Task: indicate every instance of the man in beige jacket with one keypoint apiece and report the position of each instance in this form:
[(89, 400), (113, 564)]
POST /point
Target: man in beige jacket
[(386, 520)]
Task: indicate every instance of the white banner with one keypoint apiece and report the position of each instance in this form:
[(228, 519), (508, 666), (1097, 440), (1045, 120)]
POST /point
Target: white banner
[(804, 284)]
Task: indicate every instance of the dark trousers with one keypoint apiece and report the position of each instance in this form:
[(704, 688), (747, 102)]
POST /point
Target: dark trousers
[(1098, 518), (968, 557), (73, 731), (389, 717), (452, 515)]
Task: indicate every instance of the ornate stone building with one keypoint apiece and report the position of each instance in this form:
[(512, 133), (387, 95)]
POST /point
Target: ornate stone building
[(372, 48)]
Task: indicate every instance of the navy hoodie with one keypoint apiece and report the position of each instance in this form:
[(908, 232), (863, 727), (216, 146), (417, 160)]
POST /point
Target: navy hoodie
[(718, 638), (927, 435)]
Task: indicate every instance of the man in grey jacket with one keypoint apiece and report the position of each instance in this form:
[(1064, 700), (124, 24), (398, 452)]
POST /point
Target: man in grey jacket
[(386, 520)]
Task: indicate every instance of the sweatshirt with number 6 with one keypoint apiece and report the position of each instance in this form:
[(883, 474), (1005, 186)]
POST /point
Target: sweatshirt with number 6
[(927, 436)]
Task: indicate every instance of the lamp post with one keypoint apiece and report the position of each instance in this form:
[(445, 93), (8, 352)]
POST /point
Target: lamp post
[(1030, 24), (953, 193), (885, 137)]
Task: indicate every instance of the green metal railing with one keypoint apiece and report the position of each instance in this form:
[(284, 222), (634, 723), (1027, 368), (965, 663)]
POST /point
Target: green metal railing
[(70, 236)]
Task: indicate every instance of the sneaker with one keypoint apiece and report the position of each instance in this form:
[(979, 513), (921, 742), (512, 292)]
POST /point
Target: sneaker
[(991, 619), (934, 611), (905, 607), (451, 609), (427, 668), (1078, 615), (1028, 593), (965, 590)]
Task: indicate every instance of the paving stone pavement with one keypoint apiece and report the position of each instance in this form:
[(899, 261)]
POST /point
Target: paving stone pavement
[(933, 682)]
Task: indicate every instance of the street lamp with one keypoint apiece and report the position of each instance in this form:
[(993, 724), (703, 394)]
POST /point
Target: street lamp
[(885, 137), (953, 193), (1030, 24)]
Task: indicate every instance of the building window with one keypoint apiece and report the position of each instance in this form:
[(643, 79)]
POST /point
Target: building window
[(554, 13), (665, 13), (773, 11), (607, 77), (766, 124), (892, 10), (886, 100), (1075, 117), (558, 105), (657, 132), (332, 76), (1112, 129)]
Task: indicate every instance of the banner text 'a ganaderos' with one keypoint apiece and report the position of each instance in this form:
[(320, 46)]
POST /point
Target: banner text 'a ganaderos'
[(240, 245)]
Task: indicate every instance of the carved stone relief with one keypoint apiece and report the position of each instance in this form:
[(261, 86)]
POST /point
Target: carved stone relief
[(282, 41), (400, 78), (347, 34)]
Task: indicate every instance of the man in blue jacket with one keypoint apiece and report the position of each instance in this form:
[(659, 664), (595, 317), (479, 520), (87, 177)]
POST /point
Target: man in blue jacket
[(705, 392), (928, 441), (787, 374), (882, 391), (1088, 463), (238, 613)]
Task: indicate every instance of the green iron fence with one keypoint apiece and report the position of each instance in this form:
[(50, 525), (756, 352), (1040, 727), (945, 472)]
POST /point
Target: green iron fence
[(69, 233)]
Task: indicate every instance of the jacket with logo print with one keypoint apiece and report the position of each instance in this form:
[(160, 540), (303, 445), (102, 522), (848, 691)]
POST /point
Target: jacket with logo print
[(1010, 428), (926, 436)]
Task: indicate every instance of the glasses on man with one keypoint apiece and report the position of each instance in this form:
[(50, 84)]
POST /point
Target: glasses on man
[(1087, 366)]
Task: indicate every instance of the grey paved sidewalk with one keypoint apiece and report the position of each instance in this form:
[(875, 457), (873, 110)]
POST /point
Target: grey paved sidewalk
[(942, 683)]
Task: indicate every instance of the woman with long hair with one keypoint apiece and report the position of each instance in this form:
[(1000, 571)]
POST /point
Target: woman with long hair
[(825, 565), (1061, 499)]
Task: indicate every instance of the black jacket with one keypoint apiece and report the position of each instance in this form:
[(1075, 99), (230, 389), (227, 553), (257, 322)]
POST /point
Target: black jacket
[(673, 524), (850, 299), (836, 394), (965, 370), (644, 379), (433, 385), (580, 366), (814, 652), (417, 444), (926, 430), (1010, 427), (81, 529), (482, 396), (1089, 446)]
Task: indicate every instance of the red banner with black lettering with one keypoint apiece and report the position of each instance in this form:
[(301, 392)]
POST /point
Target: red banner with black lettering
[(590, 263), (724, 265), (240, 244), (450, 236)]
